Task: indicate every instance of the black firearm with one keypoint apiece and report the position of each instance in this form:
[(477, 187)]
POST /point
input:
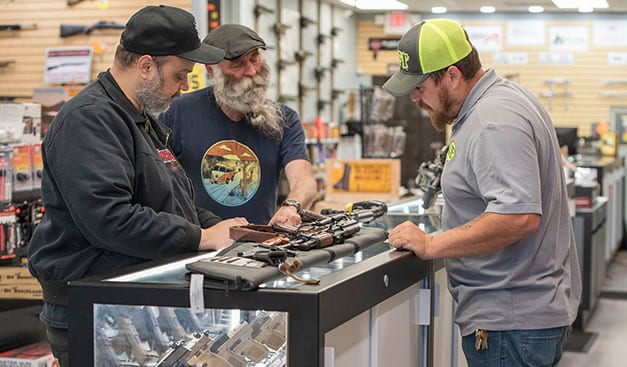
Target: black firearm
[(330, 227), (17, 27), (428, 178), (68, 30)]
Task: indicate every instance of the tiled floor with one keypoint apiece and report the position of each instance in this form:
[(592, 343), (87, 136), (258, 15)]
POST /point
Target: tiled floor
[(609, 321)]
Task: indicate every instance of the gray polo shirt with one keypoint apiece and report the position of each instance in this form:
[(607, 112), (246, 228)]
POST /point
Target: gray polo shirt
[(504, 158)]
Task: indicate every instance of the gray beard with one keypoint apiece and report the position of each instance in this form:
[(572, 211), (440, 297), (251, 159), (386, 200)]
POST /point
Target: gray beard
[(150, 96), (248, 96)]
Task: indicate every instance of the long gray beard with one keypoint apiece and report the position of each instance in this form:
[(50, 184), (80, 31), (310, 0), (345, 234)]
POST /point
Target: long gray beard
[(248, 96)]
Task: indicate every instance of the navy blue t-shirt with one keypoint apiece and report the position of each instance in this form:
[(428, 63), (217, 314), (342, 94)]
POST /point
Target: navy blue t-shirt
[(234, 167)]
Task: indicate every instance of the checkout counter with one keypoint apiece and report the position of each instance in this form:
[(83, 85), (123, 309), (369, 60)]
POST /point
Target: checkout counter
[(372, 308)]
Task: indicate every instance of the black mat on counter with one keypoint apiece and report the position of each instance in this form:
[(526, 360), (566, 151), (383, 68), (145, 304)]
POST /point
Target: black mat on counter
[(580, 341)]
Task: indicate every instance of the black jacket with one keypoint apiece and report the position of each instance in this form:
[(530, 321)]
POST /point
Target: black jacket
[(113, 195)]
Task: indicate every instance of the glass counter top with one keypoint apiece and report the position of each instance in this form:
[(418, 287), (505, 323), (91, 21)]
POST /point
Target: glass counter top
[(398, 212), (175, 272)]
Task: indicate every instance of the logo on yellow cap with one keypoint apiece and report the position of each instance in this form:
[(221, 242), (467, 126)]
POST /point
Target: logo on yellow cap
[(403, 59)]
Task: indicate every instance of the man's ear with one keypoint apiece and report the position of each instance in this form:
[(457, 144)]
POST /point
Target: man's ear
[(453, 74), (145, 65), (209, 70)]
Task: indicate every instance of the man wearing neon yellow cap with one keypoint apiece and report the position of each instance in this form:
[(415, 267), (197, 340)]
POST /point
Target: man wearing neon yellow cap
[(507, 236)]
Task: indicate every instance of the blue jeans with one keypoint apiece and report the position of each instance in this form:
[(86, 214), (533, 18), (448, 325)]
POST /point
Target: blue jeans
[(517, 348)]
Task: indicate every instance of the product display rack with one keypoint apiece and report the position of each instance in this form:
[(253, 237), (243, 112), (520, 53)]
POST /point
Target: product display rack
[(348, 287)]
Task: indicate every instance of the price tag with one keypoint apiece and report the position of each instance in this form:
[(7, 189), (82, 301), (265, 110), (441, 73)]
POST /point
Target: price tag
[(196, 296)]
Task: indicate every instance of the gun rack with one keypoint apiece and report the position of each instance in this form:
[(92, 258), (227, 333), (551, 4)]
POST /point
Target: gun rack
[(551, 93), (305, 22), (283, 98), (5, 63)]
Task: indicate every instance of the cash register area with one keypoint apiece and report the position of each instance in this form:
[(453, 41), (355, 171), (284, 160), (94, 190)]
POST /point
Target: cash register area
[(608, 322)]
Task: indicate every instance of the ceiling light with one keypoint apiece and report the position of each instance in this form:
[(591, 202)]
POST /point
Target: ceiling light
[(575, 4), (535, 9), (487, 9), (438, 10), (585, 9), (377, 4)]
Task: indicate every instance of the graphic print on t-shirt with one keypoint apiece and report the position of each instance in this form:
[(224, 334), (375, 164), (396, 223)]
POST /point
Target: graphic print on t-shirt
[(230, 173)]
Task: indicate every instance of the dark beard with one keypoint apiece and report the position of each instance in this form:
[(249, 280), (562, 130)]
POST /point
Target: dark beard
[(150, 96), (440, 119)]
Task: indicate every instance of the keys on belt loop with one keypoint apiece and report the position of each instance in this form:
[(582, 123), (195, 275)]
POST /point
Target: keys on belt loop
[(481, 339)]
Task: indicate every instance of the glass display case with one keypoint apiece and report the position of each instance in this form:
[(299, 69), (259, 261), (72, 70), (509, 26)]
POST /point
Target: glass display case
[(143, 317)]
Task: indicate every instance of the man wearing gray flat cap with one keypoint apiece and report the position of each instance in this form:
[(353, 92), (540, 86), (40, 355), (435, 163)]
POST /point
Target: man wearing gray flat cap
[(233, 141), (115, 196)]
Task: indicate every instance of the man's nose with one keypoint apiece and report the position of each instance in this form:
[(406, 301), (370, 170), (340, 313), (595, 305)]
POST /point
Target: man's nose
[(250, 69)]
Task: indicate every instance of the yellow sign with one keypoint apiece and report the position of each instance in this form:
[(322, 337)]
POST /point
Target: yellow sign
[(378, 178), (196, 79)]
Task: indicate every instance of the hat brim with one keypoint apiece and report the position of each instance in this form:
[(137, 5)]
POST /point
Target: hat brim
[(236, 55), (402, 83), (205, 54)]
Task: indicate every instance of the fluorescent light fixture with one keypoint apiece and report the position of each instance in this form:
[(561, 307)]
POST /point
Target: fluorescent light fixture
[(376, 4), (585, 9), (536, 9), (575, 4), (487, 9), (438, 10)]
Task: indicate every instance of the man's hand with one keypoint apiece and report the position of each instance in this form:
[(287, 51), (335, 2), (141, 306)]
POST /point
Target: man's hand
[(286, 215), (217, 237), (408, 236)]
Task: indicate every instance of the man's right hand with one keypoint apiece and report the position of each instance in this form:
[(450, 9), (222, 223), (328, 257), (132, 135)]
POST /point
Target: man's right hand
[(217, 237)]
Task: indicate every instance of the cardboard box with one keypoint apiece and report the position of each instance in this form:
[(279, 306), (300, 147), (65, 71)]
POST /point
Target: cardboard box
[(31, 355), (363, 179), (16, 275), (20, 291)]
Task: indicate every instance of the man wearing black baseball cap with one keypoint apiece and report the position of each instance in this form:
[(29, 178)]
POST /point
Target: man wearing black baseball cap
[(507, 241), (234, 115), (115, 195)]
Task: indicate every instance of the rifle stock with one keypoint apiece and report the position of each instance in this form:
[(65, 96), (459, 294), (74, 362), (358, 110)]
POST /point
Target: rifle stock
[(68, 30)]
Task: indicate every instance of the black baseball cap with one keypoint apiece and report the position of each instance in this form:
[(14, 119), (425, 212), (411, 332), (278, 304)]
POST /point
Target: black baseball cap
[(235, 39), (165, 30)]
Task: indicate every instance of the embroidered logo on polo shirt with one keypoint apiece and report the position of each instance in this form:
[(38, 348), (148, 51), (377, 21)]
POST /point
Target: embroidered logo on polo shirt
[(450, 153)]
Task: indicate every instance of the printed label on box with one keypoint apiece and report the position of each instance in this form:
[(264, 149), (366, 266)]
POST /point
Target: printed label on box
[(16, 275), (31, 355)]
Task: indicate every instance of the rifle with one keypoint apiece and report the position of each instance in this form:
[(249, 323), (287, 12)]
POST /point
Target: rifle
[(68, 30), (17, 27), (330, 227), (428, 178)]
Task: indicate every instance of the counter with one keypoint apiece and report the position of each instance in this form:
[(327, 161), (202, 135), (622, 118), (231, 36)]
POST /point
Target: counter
[(105, 308)]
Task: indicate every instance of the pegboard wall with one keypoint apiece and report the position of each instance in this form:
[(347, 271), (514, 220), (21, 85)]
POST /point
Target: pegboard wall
[(578, 91)]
